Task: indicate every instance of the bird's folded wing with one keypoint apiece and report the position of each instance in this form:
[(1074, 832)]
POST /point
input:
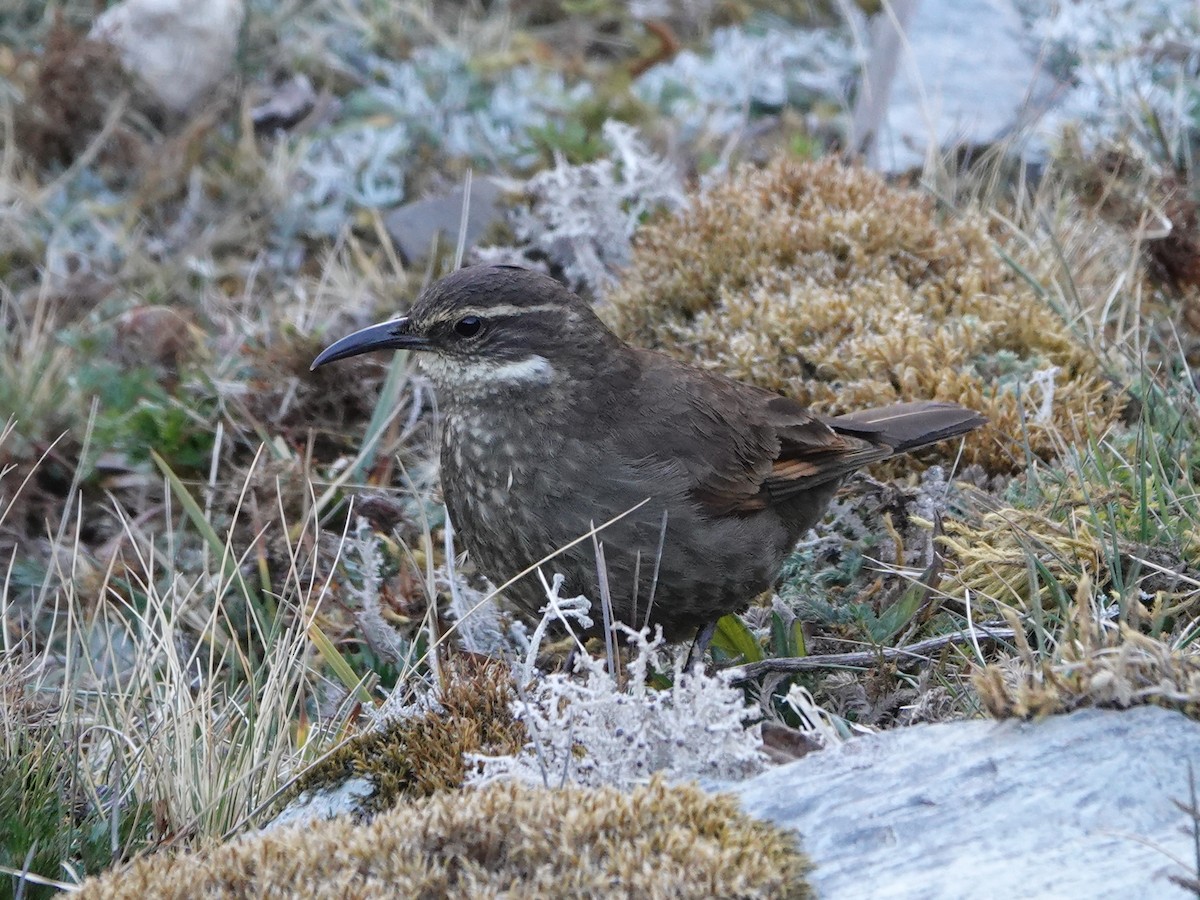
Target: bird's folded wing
[(747, 449), (810, 452), (744, 448)]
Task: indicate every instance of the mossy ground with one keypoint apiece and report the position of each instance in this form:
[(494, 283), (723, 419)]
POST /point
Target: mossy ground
[(505, 839)]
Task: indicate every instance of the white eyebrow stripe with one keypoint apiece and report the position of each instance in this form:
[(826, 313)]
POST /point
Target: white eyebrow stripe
[(508, 309)]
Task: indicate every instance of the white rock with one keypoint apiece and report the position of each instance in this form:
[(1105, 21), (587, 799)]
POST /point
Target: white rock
[(962, 74), (1070, 806), (181, 49)]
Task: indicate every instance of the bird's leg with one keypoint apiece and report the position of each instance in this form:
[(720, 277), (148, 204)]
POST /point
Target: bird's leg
[(700, 646), (569, 665)]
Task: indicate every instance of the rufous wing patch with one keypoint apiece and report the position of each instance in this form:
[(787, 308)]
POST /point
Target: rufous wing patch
[(793, 469)]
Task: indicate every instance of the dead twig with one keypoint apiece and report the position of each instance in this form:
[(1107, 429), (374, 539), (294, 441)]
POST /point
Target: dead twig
[(919, 650)]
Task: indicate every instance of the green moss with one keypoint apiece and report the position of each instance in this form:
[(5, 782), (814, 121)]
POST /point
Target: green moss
[(48, 818), (1123, 514), (423, 754)]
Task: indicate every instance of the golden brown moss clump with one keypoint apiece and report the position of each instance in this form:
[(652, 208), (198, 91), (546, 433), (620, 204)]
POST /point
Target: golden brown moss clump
[(1116, 669), (658, 841), (823, 282), (423, 754)]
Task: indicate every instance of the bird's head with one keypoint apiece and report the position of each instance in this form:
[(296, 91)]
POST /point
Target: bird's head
[(490, 327)]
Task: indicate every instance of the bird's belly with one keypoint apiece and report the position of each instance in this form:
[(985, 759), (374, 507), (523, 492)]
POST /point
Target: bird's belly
[(505, 505), (518, 506)]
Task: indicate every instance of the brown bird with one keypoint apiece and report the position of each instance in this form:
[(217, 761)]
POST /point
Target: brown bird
[(553, 425)]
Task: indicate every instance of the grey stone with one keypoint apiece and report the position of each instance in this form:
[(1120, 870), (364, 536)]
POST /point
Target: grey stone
[(285, 104), (347, 798), (180, 49), (1069, 806), (414, 226)]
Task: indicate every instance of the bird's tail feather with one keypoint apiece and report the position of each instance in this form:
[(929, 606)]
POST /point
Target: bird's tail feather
[(907, 426)]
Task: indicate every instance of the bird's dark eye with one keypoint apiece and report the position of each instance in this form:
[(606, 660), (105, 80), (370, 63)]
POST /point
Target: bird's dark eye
[(468, 326)]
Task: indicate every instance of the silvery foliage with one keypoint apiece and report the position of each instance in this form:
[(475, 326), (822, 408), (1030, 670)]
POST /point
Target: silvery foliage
[(478, 625), (362, 553), (82, 223), (585, 729), (1133, 64), (582, 218), (571, 614), (359, 165), (84, 227), (761, 68), (433, 99)]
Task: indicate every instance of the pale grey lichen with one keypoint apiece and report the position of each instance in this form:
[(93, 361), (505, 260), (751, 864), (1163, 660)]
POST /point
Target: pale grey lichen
[(582, 217), (433, 101), (759, 68), (586, 729)]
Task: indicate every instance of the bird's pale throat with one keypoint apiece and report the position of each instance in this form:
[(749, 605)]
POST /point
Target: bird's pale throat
[(483, 371)]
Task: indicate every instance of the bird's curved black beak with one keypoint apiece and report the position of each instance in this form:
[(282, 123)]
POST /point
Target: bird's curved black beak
[(393, 335)]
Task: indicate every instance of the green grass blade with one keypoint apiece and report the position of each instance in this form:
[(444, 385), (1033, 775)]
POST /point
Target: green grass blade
[(338, 664), (195, 514), (734, 639), (382, 415), (898, 615)]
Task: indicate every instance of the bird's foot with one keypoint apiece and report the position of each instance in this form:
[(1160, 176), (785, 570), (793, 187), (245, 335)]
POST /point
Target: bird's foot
[(700, 646)]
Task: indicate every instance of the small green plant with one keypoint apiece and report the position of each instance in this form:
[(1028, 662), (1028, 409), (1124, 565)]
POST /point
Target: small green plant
[(55, 822), (734, 642)]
